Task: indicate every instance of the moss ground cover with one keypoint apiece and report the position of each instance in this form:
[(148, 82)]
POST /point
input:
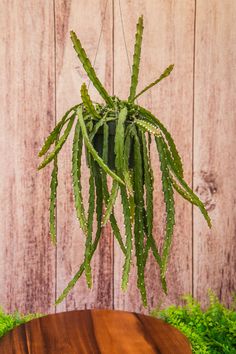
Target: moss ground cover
[(10, 321), (212, 331)]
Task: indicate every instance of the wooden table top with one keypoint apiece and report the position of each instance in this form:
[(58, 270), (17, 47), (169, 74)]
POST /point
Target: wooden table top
[(95, 332)]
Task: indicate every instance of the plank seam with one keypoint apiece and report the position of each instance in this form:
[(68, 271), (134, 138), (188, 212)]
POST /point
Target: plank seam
[(55, 121), (193, 126), (113, 88)]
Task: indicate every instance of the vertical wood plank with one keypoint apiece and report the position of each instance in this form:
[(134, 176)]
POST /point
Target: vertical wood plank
[(27, 272), (214, 148), (168, 38), (86, 19), (27, 259)]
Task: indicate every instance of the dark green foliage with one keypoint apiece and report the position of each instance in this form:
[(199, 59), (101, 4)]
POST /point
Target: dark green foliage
[(53, 199), (170, 208), (99, 197), (89, 69), (148, 213), (88, 104), (113, 222), (148, 182), (119, 140), (127, 151), (136, 59), (131, 174), (76, 277), (186, 192), (59, 144), (128, 233), (88, 243), (138, 215), (76, 175), (147, 127), (92, 151), (96, 127), (110, 202), (145, 114), (212, 331), (163, 75), (56, 131)]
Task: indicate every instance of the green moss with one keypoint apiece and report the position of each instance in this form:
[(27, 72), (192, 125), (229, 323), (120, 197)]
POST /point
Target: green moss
[(10, 321), (212, 331)]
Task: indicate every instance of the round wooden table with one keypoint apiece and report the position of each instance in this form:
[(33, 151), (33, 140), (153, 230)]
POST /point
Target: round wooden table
[(93, 332)]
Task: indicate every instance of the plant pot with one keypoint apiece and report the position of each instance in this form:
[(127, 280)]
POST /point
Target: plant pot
[(98, 145)]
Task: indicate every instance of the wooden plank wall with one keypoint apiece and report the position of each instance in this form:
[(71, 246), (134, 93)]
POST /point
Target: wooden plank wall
[(214, 147), (172, 102), (80, 16), (41, 78), (27, 259)]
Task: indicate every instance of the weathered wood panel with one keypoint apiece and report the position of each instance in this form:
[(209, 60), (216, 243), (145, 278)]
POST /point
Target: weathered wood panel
[(214, 147), (27, 272), (168, 38), (27, 114), (86, 18)]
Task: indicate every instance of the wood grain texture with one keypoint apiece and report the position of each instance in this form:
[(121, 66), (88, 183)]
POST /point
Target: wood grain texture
[(27, 272), (95, 332), (86, 19), (214, 148), (37, 63), (165, 41)]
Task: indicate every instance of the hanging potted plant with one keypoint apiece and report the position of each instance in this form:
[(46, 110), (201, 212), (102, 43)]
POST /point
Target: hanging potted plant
[(117, 136)]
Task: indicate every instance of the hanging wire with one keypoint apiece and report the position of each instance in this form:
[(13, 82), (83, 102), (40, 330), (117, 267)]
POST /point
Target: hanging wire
[(123, 32), (125, 43), (99, 39)]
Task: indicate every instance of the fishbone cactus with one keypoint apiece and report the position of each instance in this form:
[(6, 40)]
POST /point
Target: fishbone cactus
[(135, 128)]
